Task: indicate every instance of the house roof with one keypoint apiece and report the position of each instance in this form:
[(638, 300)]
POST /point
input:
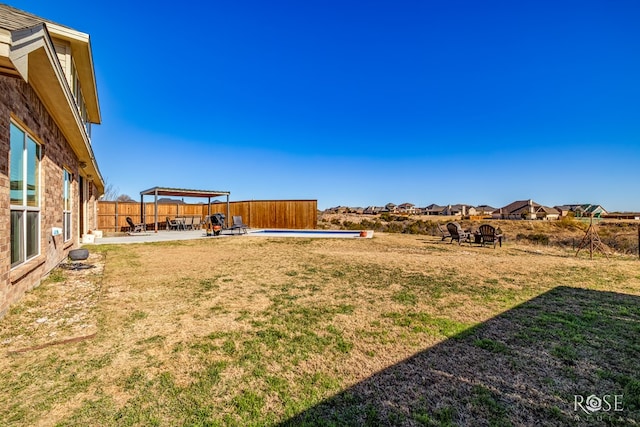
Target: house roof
[(458, 206), (27, 51), (485, 208), (565, 207), (517, 206), (547, 210), (13, 19), (588, 208)]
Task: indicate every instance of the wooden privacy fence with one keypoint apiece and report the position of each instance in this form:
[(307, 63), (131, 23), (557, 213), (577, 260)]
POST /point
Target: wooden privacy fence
[(296, 214)]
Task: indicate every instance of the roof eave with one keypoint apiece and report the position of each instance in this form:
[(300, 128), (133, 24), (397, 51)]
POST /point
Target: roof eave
[(34, 58), (83, 59)]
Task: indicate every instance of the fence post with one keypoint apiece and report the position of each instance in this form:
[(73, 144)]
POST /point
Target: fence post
[(116, 213)]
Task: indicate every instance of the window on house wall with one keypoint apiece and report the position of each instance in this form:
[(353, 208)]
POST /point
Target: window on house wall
[(24, 171), (66, 205)]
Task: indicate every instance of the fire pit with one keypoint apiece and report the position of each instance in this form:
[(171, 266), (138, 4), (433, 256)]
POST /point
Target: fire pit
[(78, 254)]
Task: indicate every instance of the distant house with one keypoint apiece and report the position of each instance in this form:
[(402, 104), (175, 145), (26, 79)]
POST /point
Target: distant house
[(587, 210), (356, 210), (390, 207), (49, 177), (373, 210), (456, 210), (565, 210), (433, 209), (338, 210), (407, 208), (484, 210), (526, 209), (169, 200), (582, 210)]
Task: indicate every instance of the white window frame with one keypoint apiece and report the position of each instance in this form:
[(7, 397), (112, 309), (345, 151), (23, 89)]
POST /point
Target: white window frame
[(67, 217), (24, 209)]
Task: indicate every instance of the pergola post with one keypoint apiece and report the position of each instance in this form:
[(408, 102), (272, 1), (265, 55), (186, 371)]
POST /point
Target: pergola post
[(156, 209), (142, 213)]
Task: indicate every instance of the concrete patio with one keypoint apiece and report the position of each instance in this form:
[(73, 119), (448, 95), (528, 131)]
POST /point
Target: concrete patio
[(160, 236)]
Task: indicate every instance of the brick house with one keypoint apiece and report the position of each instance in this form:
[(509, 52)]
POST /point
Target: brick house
[(49, 177)]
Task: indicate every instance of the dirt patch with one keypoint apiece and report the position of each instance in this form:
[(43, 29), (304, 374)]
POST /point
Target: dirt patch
[(70, 294)]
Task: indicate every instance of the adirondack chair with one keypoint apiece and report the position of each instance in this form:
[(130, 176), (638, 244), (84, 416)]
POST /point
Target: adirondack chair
[(445, 233), (490, 235), (457, 233)]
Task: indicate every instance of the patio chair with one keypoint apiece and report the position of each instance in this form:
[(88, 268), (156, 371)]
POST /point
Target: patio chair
[(490, 235), (196, 222), (172, 224), (239, 225), (188, 223), (133, 227), (457, 233), (445, 233)]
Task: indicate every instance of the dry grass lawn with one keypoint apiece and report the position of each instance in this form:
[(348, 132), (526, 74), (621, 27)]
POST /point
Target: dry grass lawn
[(395, 330)]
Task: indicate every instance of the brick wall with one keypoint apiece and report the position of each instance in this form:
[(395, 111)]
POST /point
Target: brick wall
[(20, 102)]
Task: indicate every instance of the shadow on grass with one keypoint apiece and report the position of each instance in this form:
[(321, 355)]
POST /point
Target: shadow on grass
[(523, 367)]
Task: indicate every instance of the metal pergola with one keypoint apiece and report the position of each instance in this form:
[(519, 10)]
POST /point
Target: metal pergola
[(180, 192)]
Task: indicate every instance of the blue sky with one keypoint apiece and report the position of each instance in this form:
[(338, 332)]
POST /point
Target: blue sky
[(364, 103)]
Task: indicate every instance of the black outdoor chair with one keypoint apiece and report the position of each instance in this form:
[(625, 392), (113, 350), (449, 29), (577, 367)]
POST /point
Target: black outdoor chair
[(457, 233), (239, 225), (490, 235), (133, 227)]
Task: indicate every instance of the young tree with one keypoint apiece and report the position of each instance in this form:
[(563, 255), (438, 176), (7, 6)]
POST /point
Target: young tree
[(124, 198), (110, 192)]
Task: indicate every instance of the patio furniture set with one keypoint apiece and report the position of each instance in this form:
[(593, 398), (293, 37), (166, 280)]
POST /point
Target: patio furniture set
[(213, 224), (486, 234), (184, 223)]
